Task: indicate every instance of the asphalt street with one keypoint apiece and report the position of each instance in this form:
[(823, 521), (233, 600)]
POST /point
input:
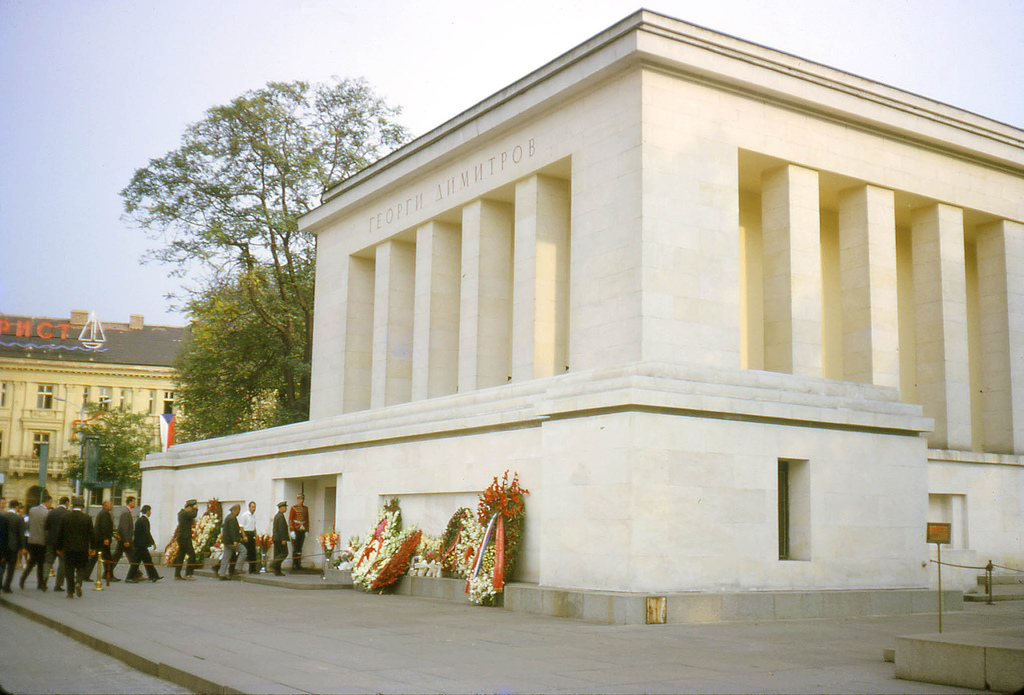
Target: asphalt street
[(247, 637), (38, 659)]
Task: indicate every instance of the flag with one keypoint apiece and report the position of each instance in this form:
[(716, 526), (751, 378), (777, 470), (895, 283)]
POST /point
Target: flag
[(167, 430)]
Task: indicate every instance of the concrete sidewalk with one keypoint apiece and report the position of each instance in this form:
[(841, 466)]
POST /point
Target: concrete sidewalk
[(213, 636)]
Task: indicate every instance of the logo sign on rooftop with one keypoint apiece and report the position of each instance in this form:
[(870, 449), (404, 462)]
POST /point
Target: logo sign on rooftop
[(92, 333), (54, 335)]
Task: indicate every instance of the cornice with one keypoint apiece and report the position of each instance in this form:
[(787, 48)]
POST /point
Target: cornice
[(10, 366), (648, 39)]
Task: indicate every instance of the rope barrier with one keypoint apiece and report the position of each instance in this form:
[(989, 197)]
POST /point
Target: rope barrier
[(966, 567), (988, 569), (974, 567), (1012, 569), (185, 565)]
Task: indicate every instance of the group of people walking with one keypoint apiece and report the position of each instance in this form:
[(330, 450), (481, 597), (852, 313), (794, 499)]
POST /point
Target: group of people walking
[(238, 539), (66, 536)]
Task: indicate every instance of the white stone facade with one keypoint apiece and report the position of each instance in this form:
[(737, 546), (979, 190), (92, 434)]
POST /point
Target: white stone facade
[(700, 295)]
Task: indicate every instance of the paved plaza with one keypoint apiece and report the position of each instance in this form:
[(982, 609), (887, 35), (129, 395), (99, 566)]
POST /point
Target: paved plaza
[(213, 636)]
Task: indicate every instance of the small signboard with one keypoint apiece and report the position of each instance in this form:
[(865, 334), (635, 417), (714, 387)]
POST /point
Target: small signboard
[(939, 533), (91, 454)]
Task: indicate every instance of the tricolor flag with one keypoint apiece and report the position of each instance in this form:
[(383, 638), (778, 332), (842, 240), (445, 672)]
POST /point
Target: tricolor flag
[(167, 430)]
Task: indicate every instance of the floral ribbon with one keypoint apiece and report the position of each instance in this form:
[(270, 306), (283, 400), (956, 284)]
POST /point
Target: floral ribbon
[(483, 547), (498, 578)]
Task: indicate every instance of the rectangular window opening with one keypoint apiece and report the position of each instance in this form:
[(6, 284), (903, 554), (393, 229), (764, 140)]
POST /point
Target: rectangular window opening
[(794, 510), (37, 439), (44, 397)]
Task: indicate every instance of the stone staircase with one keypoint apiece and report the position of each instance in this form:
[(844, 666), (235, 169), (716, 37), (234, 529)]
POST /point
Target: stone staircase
[(1005, 587)]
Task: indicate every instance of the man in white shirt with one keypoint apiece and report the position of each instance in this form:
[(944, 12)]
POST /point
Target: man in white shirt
[(247, 520)]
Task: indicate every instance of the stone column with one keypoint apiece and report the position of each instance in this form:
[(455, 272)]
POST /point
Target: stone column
[(358, 334), (940, 294), (435, 352), (867, 243), (485, 303), (540, 294), (1001, 298), (792, 270), (394, 288)]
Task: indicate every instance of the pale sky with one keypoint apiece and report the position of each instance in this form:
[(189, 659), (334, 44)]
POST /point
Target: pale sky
[(90, 91)]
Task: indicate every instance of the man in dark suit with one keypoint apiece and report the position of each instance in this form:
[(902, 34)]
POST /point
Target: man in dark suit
[(142, 541), (53, 520), (230, 543), (15, 542), (75, 543), (104, 531), (124, 534), (186, 553), (280, 539)]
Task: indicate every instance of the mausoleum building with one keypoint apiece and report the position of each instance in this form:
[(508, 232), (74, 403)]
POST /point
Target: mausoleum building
[(740, 322)]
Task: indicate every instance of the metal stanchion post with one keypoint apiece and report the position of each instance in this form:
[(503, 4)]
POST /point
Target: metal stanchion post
[(939, 547), (988, 583), (100, 571), (939, 533)]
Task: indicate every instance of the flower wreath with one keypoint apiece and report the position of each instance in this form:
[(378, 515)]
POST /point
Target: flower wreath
[(451, 540), (388, 550), (204, 534), (499, 527)]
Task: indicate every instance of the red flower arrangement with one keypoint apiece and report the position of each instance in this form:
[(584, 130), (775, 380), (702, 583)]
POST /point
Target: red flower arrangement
[(502, 509), (398, 564), (505, 498)]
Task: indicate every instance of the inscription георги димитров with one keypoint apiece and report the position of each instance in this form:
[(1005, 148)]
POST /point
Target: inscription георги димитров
[(464, 179)]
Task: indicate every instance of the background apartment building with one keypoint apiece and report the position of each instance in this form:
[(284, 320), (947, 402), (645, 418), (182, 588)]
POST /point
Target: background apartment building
[(51, 368)]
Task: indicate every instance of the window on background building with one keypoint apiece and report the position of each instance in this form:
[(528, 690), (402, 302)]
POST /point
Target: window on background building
[(152, 401), (96, 496), (3, 394), (44, 397), (85, 395), (106, 397), (1, 442), (37, 439), (168, 401), (116, 494)]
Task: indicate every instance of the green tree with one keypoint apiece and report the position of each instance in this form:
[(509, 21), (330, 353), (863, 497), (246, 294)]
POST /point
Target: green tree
[(125, 438), (233, 372), (224, 206)]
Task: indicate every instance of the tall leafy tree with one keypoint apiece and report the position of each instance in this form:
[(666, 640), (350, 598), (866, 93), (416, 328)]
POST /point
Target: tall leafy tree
[(125, 438), (224, 207)]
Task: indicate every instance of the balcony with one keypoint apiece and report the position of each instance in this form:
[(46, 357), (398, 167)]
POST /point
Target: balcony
[(24, 466)]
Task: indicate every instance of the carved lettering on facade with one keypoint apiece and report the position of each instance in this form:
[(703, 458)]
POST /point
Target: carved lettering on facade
[(397, 211), (470, 176)]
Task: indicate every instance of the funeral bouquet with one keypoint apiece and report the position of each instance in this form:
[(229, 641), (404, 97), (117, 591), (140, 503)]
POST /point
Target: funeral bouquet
[(328, 542), (385, 556), (206, 532), (500, 514), (451, 540), (263, 543), (347, 555)]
